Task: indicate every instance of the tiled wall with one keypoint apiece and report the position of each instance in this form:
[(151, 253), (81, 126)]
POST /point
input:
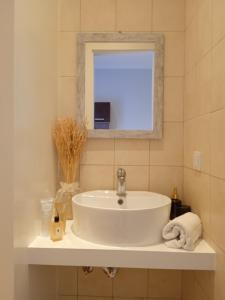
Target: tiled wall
[(204, 125), (138, 284), (155, 165), (147, 163)]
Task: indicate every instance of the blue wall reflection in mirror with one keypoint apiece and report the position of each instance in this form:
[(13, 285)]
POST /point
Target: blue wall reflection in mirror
[(123, 89)]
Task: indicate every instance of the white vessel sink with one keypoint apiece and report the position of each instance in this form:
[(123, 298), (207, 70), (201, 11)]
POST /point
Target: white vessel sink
[(139, 221)]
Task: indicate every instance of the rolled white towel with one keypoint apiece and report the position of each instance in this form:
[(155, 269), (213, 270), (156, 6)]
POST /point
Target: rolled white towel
[(183, 232)]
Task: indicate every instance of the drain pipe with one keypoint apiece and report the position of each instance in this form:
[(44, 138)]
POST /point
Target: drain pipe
[(109, 271), (87, 270)]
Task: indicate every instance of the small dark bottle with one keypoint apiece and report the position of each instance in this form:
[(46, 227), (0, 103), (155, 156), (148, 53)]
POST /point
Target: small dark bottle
[(175, 205)]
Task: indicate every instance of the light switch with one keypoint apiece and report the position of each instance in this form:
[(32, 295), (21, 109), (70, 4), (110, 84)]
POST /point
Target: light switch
[(197, 160)]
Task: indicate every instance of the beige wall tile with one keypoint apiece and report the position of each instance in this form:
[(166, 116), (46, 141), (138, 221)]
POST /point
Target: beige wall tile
[(67, 97), (67, 64), (220, 276), (191, 288), (173, 99), (128, 298), (217, 220), (197, 194), (93, 298), (67, 281), (42, 282), (131, 152), (164, 283), (134, 15), (196, 138), (217, 142), (174, 54), (206, 92), (168, 15), (69, 17), (163, 299), (190, 95), (199, 292), (95, 284), (98, 152), (191, 38), (204, 85), (218, 20), (137, 177), (93, 177), (218, 73), (206, 280), (98, 15), (190, 11), (169, 150), (198, 89), (164, 179), (204, 23), (67, 298), (130, 283), (188, 284)]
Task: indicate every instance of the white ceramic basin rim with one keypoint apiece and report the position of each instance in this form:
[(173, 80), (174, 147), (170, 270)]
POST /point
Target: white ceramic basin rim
[(108, 200), (139, 221)]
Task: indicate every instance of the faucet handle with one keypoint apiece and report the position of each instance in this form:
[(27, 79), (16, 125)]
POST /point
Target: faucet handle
[(121, 173)]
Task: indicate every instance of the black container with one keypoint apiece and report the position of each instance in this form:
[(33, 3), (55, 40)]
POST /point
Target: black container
[(176, 205), (183, 209)]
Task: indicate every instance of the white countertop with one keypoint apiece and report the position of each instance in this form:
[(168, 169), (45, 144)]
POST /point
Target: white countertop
[(72, 251)]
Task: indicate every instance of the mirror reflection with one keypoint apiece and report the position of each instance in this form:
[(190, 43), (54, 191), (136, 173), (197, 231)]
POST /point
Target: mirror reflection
[(120, 84), (123, 89)]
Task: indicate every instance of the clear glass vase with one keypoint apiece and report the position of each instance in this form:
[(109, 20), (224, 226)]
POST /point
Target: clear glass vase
[(64, 199)]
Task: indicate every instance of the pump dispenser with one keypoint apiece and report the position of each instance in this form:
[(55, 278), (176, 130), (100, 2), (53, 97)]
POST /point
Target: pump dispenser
[(56, 228)]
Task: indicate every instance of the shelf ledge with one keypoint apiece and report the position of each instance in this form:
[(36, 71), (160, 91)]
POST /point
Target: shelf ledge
[(72, 251)]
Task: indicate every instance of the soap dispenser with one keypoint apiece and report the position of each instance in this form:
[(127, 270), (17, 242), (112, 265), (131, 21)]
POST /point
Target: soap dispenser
[(175, 204), (56, 228)]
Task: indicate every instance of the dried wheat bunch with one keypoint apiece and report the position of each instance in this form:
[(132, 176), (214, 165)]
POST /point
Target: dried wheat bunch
[(69, 137)]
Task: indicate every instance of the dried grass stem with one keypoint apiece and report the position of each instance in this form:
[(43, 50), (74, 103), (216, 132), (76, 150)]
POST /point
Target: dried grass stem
[(69, 137)]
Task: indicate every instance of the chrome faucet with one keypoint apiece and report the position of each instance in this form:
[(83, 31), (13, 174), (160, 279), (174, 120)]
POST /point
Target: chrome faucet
[(121, 182)]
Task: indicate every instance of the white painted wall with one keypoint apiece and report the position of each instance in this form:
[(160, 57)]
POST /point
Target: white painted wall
[(6, 149), (35, 111)]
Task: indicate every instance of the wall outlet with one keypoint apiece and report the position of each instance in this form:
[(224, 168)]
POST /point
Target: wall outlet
[(197, 160)]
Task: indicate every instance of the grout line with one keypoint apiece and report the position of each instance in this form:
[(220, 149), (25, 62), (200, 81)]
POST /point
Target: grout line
[(220, 40), (209, 114), (120, 297), (134, 165), (197, 117), (204, 173), (217, 110)]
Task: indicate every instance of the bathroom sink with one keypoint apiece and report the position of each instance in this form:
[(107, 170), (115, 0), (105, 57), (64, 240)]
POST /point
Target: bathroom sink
[(136, 219)]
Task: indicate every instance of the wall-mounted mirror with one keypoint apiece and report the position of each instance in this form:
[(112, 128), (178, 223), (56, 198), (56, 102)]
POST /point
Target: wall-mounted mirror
[(120, 84)]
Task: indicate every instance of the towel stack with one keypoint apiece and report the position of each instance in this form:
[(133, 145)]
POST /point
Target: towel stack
[(183, 232)]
